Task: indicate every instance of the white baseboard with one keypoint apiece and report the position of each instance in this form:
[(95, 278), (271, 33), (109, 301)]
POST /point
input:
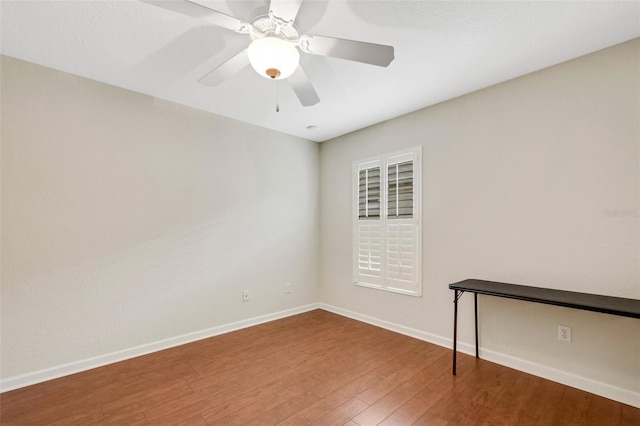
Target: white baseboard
[(624, 396), (28, 379), (603, 389), (407, 331)]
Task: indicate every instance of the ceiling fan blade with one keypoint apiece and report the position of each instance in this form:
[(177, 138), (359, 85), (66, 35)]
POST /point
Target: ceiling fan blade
[(196, 10), (287, 10), (359, 51), (226, 70), (303, 88)]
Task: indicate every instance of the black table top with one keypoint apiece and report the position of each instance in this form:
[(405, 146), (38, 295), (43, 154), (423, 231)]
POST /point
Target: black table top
[(570, 299)]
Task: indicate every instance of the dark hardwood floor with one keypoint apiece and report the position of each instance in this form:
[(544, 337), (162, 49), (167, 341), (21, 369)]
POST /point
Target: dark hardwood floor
[(315, 368)]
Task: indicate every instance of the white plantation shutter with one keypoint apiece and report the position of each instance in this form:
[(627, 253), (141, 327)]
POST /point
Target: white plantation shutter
[(387, 234), (368, 245)]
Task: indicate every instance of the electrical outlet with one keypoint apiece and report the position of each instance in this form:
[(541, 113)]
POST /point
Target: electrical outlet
[(245, 295), (287, 288), (564, 333)]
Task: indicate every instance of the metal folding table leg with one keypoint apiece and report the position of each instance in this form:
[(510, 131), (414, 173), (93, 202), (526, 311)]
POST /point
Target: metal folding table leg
[(475, 305), (456, 296)]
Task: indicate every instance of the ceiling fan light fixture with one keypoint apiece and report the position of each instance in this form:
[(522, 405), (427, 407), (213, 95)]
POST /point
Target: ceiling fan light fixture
[(273, 57)]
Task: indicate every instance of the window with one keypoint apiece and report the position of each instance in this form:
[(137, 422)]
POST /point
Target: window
[(387, 223)]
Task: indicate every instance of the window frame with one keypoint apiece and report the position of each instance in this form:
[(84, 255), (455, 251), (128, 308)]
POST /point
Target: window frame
[(383, 281)]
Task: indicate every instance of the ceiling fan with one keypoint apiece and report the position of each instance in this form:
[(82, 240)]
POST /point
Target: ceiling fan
[(275, 41)]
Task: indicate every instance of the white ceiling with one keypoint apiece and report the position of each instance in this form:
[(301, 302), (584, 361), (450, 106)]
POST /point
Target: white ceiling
[(443, 49)]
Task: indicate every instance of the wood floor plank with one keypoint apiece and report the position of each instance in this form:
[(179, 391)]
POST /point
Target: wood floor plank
[(252, 411), (428, 419), (422, 401), (397, 362), (491, 380), (349, 372), (413, 409), (85, 417), (458, 409), (574, 404), (603, 412), (238, 402), (404, 370), (314, 368), (469, 397), (209, 399), (629, 416), (514, 401), (332, 400), (43, 413), (447, 381), (342, 413), (287, 409), (175, 420), (543, 405), (385, 406), (125, 418), (140, 401)]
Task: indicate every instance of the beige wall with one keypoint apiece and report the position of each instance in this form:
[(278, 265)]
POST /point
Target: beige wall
[(126, 221), (521, 182)]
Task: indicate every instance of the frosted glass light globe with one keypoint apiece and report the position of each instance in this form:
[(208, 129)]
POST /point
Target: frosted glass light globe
[(273, 58)]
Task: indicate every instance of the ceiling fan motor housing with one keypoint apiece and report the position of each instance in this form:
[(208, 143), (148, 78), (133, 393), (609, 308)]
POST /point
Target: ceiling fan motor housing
[(266, 26)]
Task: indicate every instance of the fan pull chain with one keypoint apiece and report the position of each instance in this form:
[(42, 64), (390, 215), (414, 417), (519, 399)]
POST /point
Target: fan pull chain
[(277, 96)]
